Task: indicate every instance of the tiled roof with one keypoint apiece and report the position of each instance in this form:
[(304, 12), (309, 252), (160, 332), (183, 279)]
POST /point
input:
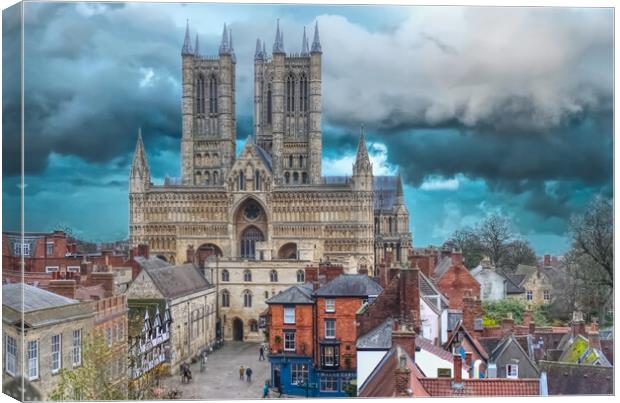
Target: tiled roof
[(32, 299), (385, 189), (297, 294), (481, 387), (473, 340), (350, 285), (177, 281), (578, 379), (378, 338), (428, 345)]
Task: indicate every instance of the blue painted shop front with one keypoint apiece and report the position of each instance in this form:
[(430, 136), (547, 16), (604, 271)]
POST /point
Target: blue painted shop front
[(297, 376)]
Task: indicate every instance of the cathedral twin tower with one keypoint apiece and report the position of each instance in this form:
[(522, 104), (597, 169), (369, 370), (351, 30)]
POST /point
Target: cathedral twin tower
[(287, 110)]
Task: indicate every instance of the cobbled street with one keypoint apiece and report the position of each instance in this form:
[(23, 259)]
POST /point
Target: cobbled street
[(221, 378)]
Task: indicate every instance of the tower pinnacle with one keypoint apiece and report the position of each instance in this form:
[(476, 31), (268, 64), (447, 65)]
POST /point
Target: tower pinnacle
[(225, 44), (316, 41), (197, 47), (140, 165), (362, 159), (258, 53), (278, 45), (304, 44), (187, 46)]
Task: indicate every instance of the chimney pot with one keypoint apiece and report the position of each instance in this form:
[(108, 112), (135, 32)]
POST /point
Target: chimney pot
[(458, 367)]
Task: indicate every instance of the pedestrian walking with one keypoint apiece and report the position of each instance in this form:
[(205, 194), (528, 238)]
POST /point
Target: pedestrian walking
[(261, 354), (248, 374), (241, 372), (266, 390)]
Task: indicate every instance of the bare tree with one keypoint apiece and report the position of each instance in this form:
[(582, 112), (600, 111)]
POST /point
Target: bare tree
[(494, 233), (467, 241), (593, 237)]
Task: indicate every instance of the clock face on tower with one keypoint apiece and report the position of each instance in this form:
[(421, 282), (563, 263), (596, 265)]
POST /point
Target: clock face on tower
[(251, 212)]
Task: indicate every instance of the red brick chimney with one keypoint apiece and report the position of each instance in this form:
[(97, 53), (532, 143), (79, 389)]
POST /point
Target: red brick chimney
[(508, 324), (457, 257), (409, 296), (106, 279), (594, 338), (578, 325), (458, 368), (66, 288), (402, 377), (468, 361), (527, 318), (547, 260), (469, 314), (143, 250), (405, 338)]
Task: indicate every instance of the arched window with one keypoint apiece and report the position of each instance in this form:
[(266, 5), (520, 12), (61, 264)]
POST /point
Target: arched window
[(269, 103), (301, 276), (241, 181), (376, 225), (247, 275), (207, 178), (225, 275), (200, 94), (215, 178), (290, 93), (273, 276), (301, 161), (304, 177), (391, 223), (198, 178), (247, 299), (212, 95), (256, 180), (295, 177), (287, 177), (225, 298), (290, 161), (249, 237), (303, 93)]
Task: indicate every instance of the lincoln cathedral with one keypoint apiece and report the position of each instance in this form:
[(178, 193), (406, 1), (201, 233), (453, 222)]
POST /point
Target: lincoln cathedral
[(255, 220)]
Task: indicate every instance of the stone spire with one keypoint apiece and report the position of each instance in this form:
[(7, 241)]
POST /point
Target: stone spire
[(400, 199), (278, 45), (258, 54), (140, 165), (197, 47), (316, 42), (362, 151), (230, 44), (304, 44), (187, 46), (264, 50), (225, 44)]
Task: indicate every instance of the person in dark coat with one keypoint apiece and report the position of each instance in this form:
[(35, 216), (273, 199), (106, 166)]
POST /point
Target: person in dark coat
[(248, 374), (261, 354)]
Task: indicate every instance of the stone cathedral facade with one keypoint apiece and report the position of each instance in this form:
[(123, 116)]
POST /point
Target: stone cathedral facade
[(257, 219)]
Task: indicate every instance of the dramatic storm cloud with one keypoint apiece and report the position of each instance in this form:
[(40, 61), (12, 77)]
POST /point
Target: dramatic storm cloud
[(482, 110)]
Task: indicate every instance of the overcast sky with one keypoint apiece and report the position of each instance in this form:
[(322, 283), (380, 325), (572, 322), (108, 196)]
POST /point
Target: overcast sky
[(483, 110)]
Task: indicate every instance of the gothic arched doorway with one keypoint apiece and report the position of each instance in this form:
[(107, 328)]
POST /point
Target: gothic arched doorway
[(288, 251), (247, 242), (237, 329)]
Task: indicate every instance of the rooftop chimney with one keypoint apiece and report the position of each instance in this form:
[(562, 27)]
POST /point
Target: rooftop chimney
[(402, 376), (508, 324), (594, 338), (458, 368), (404, 337), (527, 318), (547, 260), (66, 288), (578, 326), (143, 250)]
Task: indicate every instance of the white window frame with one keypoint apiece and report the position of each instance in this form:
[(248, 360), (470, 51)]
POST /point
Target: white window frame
[(330, 334), (286, 335), (299, 372), (56, 353), (77, 347), (32, 351), (330, 305), (289, 315), (10, 352), (51, 269), (328, 379), (546, 295), (21, 249), (73, 269), (529, 295), (512, 371), (47, 245)]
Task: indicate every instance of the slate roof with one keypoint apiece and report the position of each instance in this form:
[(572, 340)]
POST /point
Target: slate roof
[(378, 338), (428, 289), (33, 299), (443, 266), (513, 283), (265, 156), (177, 281), (578, 379), (482, 387), (151, 263), (350, 285), (335, 180), (297, 294)]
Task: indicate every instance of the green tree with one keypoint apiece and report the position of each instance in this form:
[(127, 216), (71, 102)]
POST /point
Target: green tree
[(92, 380), (517, 252), (495, 311)]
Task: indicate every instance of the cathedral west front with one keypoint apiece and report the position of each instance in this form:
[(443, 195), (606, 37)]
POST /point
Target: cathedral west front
[(255, 220)]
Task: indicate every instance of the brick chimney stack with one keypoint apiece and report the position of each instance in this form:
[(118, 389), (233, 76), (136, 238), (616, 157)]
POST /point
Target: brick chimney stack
[(404, 337), (527, 318), (409, 296), (508, 324), (106, 279), (468, 310), (458, 368), (578, 325), (402, 376), (143, 250), (594, 338), (457, 257), (66, 288), (547, 260)]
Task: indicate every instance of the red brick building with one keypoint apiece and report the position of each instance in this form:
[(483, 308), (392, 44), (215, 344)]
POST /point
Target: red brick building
[(454, 281)]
